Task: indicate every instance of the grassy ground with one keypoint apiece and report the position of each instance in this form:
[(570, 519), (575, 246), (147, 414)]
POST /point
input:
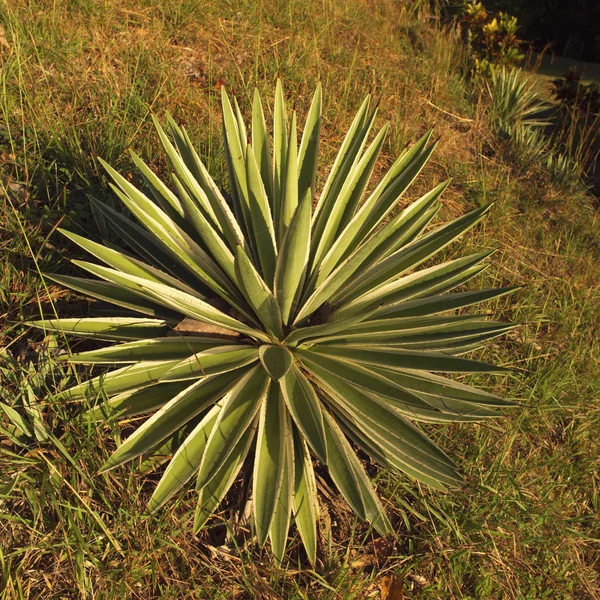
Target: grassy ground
[(79, 80)]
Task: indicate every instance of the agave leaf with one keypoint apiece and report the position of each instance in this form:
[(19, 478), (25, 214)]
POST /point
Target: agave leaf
[(145, 245), (225, 218), (293, 257), (205, 231), (407, 223), (463, 410), (261, 219), (212, 362), (180, 166), (467, 345), (392, 187), (165, 198), (137, 401), (164, 451), (258, 294), (279, 152), (402, 326), (305, 408), (241, 126), (306, 507), (349, 196), (414, 254), (348, 154), (186, 460), (380, 385), (127, 264), (260, 144), (351, 479), (442, 387), (109, 292), (309, 146), (283, 507), (396, 358), (172, 237), (186, 251), (177, 300), (277, 360), (150, 349), (269, 463), (444, 281), (452, 340), (370, 383), (415, 331), (403, 443), (123, 379), (407, 234), (356, 436), (399, 231), (424, 282), (289, 197), (108, 328), (239, 409), (374, 332), (236, 198), (211, 494), (442, 303), (385, 453), (237, 162), (326, 330), (177, 412)]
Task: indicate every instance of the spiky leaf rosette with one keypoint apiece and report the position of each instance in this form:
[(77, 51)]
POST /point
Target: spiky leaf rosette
[(272, 323)]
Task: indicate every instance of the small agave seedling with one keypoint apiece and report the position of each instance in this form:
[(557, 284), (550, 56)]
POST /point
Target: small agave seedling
[(275, 328)]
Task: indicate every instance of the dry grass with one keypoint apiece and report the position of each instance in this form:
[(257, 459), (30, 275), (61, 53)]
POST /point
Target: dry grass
[(79, 80)]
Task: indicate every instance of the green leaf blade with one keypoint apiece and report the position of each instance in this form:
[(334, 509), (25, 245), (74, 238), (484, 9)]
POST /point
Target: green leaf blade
[(258, 294), (292, 261), (239, 410), (306, 506), (309, 146), (305, 408), (269, 463), (173, 415)]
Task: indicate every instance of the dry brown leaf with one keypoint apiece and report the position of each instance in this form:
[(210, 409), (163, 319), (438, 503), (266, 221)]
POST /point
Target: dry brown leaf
[(392, 588), (3, 41), (375, 553), (192, 327)]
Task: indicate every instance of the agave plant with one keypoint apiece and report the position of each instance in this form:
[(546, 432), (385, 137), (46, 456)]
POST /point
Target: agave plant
[(514, 101), (276, 328)]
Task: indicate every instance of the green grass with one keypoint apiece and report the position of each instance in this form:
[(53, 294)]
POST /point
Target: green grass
[(79, 80)]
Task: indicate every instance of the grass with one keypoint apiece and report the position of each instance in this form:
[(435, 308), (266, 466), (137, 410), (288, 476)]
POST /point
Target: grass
[(79, 80)]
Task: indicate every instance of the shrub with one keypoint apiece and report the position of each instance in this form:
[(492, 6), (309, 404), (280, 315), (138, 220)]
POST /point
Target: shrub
[(571, 93), (517, 113), (576, 136), (492, 38), (275, 332)]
